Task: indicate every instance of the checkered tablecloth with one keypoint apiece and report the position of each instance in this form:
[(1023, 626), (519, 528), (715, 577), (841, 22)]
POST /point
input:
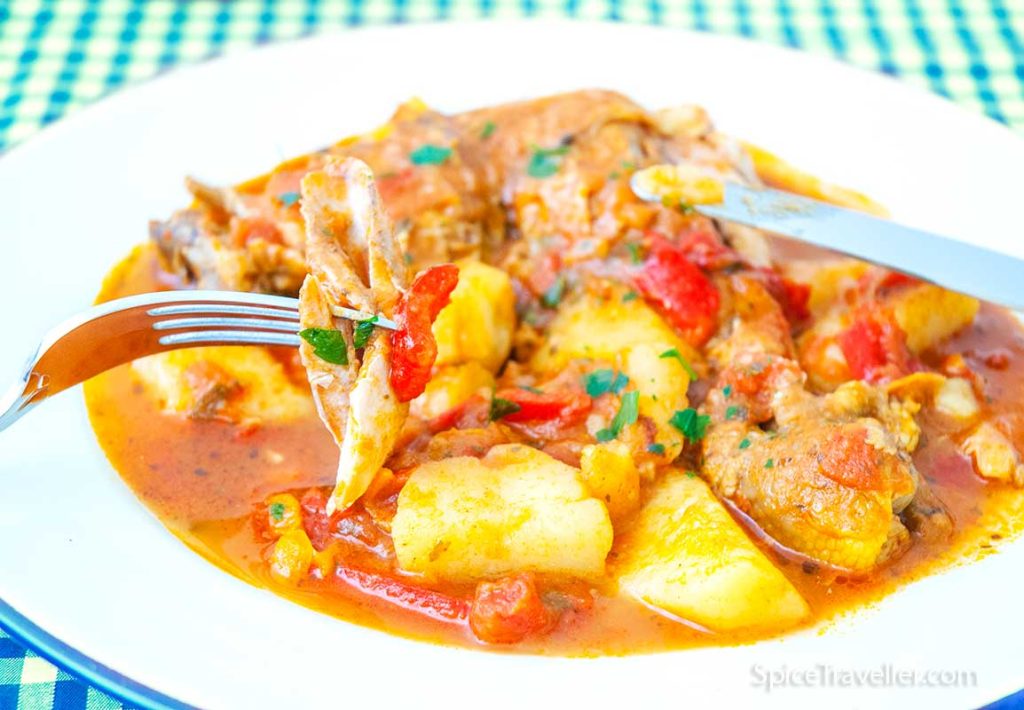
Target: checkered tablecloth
[(58, 55)]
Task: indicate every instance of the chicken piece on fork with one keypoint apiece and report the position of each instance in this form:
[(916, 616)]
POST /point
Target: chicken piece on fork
[(827, 476), (355, 262)]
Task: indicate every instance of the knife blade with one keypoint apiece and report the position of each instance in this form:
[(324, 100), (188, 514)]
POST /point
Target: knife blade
[(953, 264)]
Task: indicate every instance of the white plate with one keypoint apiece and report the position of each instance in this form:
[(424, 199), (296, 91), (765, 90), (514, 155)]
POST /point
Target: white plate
[(88, 564)]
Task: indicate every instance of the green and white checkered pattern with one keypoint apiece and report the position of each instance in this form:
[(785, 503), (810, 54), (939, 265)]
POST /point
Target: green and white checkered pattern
[(57, 55)]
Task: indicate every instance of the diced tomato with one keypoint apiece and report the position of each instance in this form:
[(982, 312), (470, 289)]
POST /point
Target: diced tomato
[(413, 348), (897, 279), (508, 610), (683, 293), (848, 459), (436, 605), (792, 296), (705, 249), (875, 346), (566, 406)]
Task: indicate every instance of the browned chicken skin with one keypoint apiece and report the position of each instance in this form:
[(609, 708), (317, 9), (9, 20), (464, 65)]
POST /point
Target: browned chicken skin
[(823, 476)]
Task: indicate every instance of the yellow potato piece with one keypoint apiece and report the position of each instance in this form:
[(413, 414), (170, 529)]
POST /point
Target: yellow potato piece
[(450, 386), (291, 557), (632, 337), (929, 314), (517, 508), (686, 183), (612, 477), (479, 322), (685, 555), (265, 391)]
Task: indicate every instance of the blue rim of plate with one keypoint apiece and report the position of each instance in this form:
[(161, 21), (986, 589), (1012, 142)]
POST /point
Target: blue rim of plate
[(84, 669)]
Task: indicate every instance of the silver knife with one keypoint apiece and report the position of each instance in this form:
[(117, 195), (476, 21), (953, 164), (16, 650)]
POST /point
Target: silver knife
[(959, 266)]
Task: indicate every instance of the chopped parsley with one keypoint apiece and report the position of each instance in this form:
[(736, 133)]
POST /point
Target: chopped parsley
[(628, 165), (685, 207), (502, 408), (769, 464), (691, 474), (745, 444), (627, 414), (600, 382), (545, 162), (692, 425), (430, 155), (328, 345), (727, 391), (629, 296), (288, 198), (732, 411), (363, 331), (487, 130), (277, 511), (554, 293), (634, 252), (658, 449), (531, 389), (674, 352)]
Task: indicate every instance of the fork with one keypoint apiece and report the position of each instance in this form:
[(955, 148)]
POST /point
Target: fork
[(125, 329)]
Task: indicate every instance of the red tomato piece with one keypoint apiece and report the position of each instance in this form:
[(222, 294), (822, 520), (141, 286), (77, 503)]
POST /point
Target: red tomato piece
[(875, 346), (508, 610), (848, 459), (566, 406), (792, 296), (685, 296), (413, 348), (436, 605)]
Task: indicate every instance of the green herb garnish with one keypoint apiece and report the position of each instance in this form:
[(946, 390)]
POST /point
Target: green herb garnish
[(658, 449), (502, 408), (674, 352), (727, 391), (629, 296), (745, 444), (288, 198), (363, 331), (531, 389), (328, 345), (685, 207), (628, 411), (691, 474), (277, 511), (487, 130), (600, 382), (692, 425), (634, 252), (769, 464), (430, 155), (732, 411), (545, 162), (554, 293)]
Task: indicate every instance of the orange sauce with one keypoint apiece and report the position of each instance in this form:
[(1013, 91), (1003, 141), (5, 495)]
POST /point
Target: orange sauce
[(204, 479)]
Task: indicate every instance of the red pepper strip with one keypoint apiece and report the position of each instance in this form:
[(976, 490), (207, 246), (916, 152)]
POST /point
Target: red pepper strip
[(544, 406), (875, 346), (685, 296), (427, 602), (413, 348)]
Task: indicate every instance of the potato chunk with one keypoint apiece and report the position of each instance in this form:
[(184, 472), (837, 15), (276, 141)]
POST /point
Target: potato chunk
[(929, 314), (687, 556), (450, 386), (516, 509), (633, 337), (611, 476), (224, 382), (478, 323)]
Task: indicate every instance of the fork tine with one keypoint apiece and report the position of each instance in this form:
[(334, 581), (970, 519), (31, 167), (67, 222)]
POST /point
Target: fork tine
[(287, 326), (230, 337), (184, 309)]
